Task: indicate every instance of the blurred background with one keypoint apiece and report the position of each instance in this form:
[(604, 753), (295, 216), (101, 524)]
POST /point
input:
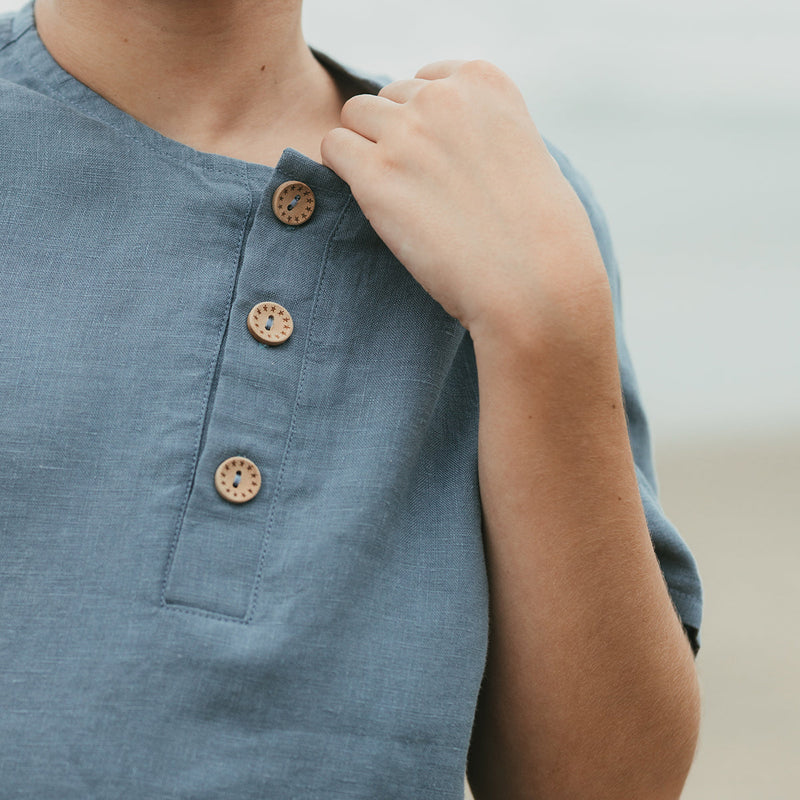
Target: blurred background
[(685, 118)]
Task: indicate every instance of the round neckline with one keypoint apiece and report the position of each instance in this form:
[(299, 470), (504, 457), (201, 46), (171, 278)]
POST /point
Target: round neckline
[(32, 54)]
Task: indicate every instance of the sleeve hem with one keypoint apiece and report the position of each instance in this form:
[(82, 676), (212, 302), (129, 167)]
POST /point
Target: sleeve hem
[(694, 640)]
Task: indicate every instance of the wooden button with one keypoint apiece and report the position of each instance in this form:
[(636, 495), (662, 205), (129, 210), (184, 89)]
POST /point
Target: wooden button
[(237, 479), (293, 203), (270, 323)]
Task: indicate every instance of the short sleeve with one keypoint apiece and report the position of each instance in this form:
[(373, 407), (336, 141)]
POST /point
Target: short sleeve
[(677, 563)]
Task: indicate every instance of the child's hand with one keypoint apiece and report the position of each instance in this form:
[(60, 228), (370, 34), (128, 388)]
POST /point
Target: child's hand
[(454, 177)]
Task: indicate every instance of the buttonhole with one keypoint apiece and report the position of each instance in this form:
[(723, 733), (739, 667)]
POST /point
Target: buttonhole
[(237, 478), (294, 202), (270, 320)]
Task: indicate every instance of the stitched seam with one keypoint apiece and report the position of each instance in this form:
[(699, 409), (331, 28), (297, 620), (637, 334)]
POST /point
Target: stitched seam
[(55, 89), (72, 103), (206, 407), (218, 615), (293, 422), (8, 27), (249, 221)]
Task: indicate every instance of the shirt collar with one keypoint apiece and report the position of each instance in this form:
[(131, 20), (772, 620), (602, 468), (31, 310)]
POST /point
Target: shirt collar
[(44, 74)]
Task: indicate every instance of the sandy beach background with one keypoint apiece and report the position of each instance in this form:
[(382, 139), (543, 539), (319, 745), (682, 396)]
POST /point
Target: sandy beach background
[(736, 502), (684, 117)]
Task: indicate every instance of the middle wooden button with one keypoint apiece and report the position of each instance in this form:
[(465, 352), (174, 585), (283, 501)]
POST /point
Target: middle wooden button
[(270, 323)]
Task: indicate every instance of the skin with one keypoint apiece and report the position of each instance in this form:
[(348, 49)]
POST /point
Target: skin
[(233, 77), (590, 688)]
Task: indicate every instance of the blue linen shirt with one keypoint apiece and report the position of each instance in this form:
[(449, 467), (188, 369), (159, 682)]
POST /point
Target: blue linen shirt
[(327, 638)]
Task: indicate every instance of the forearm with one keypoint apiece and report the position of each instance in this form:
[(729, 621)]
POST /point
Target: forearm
[(590, 688)]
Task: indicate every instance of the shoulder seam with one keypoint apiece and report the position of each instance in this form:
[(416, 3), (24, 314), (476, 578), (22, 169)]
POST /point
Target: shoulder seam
[(6, 30)]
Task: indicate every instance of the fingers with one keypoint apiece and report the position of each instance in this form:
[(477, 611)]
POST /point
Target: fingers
[(347, 153), (402, 91), (368, 115), (366, 119)]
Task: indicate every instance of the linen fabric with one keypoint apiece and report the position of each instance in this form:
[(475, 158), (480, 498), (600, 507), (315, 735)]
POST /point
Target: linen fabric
[(327, 638)]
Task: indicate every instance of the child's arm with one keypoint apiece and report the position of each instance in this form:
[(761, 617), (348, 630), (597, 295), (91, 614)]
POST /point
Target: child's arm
[(590, 687)]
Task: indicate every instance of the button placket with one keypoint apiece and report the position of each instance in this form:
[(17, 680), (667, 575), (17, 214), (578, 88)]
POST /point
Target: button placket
[(217, 562), (293, 203)]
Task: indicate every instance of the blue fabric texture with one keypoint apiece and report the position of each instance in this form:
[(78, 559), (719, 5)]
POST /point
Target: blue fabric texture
[(327, 638)]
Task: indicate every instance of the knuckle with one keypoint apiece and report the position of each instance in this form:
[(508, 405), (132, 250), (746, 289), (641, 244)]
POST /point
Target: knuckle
[(479, 67), (389, 88), (438, 94), (481, 70), (352, 107)]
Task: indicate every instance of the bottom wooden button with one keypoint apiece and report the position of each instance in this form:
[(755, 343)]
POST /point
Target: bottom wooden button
[(237, 479)]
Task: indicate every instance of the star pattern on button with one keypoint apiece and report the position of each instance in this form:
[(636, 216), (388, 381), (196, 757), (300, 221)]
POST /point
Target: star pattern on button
[(297, 214), (278, 331), (237, 479)]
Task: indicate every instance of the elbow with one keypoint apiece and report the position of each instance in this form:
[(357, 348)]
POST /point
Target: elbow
[(643, 750), (662, 736), (622, 733), (665, 739), (680, 733)]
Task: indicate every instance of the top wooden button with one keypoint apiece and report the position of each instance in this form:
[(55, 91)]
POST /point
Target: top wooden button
[(237, 479), (293, 203)]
